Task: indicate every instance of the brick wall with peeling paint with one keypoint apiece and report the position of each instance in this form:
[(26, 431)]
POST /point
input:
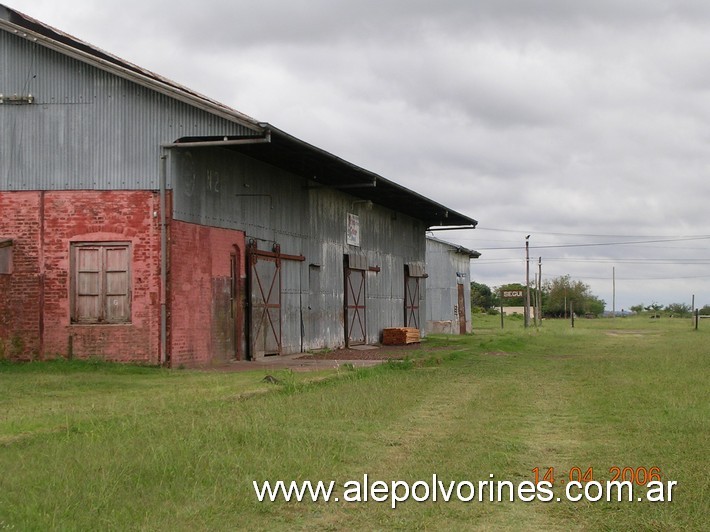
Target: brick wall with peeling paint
[(205, 322), (35, 299)]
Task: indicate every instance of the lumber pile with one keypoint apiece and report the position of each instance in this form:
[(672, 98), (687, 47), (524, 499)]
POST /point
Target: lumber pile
[(400, 335)]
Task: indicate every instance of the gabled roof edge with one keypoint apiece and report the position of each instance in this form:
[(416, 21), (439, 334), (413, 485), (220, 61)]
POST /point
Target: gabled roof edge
[(472, 253), (35, 31)]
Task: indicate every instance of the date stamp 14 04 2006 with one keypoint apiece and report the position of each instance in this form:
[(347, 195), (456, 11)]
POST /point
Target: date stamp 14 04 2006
[(619, 486)]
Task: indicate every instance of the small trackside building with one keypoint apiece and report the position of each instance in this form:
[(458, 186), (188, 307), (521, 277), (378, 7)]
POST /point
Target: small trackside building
[(448, 287), (143, 222)]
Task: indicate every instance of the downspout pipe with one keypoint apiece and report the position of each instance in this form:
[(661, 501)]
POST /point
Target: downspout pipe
[(163, 261), (164, 356)]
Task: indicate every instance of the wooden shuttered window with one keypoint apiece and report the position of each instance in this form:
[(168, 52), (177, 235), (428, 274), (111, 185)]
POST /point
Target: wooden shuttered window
[(5, 255), (101, 283)]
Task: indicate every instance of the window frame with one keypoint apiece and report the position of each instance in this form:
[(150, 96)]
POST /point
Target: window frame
[(103, 315), (6, 256)]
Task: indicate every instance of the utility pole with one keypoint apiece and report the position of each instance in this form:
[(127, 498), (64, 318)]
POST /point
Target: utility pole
[(534, 301), (539, 289), (565, 302), (694, 312), (501, 308), (613, 291), (527, 281)]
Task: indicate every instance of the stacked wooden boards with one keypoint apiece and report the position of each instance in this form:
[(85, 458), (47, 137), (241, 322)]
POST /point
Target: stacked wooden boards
[(400, 335)]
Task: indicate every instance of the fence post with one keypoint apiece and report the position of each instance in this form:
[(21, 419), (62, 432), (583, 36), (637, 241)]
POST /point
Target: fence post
[(501, 308)]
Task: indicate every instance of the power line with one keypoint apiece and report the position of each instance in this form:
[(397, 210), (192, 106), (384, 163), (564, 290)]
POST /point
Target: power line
[(683, 239), (688, 262), (608, 278), (531, 231)]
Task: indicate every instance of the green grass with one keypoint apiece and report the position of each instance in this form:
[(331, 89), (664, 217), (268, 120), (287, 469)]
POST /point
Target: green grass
[(98, 446)]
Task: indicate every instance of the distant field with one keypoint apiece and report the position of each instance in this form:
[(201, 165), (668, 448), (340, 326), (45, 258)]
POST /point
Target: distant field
[(87, 446)]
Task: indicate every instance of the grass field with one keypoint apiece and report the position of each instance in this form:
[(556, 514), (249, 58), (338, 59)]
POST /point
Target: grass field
[(91, 446)]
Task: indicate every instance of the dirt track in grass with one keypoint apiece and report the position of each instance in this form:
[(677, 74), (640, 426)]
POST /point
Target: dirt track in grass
[(379, 352)]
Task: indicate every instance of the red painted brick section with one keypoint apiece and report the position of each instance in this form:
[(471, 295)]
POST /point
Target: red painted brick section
[(19, 292), (35, 298), (200, 263), (44, 224)]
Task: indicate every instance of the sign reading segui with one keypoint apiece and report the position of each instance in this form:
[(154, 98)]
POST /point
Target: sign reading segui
[(512, 293)]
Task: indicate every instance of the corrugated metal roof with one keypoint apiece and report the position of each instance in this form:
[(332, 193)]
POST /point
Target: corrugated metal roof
[(472, 253)]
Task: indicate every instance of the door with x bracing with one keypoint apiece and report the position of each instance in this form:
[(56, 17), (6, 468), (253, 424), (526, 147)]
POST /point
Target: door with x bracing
[(355, 324), (264, 306)]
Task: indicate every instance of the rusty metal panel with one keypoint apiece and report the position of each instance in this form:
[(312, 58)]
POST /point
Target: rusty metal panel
[(461, 315), (223, 320)]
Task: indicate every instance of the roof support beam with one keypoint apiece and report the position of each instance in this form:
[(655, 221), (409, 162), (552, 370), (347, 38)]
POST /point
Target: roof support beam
[(450, 228), (217, 143)]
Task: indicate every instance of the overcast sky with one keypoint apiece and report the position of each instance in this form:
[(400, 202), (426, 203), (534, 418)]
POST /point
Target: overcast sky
[(579, 123)]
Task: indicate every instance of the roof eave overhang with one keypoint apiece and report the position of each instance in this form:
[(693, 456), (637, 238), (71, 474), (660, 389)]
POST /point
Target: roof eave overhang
[(455, 248), (324, 169)]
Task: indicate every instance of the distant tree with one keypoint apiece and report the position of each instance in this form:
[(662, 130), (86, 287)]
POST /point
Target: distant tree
[(563, 290), (638, 309), (705, 311), (482, 296), (654, 308), (680, 310), (594, 305)]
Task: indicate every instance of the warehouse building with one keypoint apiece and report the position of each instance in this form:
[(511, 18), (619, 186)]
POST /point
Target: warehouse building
[(144, 222)]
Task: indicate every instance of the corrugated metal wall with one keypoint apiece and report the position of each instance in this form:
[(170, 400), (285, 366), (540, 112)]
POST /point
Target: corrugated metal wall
[(87, 129), (226, 189), (443, 264)]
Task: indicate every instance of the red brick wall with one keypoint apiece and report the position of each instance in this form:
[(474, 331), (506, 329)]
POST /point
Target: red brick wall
[(200, 277), (19, 292), (44, 224)]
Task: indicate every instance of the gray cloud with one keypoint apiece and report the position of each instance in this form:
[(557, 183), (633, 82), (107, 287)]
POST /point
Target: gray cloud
[(542, 117)]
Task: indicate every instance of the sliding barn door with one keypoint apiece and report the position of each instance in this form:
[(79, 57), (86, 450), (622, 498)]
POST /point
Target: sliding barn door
[(355, 323), (264, 305)]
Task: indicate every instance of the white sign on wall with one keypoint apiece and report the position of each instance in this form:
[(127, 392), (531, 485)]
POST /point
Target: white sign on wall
[(353, 231)]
